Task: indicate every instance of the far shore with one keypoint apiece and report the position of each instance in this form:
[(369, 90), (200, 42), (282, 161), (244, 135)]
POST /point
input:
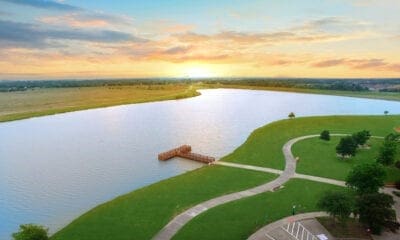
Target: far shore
[(41, 102)]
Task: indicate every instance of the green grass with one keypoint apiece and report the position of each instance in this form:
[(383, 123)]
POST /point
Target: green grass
[(48, 101), (240, 219), (264, 146), (392, 96), (142, 213), (318, 158)]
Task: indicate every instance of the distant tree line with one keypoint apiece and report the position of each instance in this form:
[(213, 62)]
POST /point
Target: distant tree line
[(384, 85)]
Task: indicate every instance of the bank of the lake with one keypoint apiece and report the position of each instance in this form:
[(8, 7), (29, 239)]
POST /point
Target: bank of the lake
[(142, 213), (48, 101)]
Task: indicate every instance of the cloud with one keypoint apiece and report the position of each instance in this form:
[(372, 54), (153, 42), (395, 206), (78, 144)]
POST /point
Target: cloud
[(176, 50), (15, 34), (329, 63), (4, 13), (87, 19), (45, 4), (360, 64)]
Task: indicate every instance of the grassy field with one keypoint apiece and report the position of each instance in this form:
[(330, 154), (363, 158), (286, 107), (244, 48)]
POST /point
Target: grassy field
[(47, 101), (142, 213), (264, 146), (392, 96), (239, 219), (318, 158)]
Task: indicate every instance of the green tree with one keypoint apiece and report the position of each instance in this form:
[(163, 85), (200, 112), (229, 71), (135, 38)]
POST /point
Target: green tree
[(346, 147), (376, 212), (291, 115), (338, 204), (387, 153), (362, 137), (386, 112), (366, 178), (388, 150), (325, 135), (31, 232)]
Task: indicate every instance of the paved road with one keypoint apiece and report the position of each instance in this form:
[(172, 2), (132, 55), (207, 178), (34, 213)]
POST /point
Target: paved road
[(263, 232), (180, 220)]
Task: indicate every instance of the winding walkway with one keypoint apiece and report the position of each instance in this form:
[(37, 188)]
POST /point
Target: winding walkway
[(169, 230)]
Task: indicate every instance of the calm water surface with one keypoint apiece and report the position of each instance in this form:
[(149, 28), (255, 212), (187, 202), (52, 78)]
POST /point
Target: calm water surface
[(54, 168)]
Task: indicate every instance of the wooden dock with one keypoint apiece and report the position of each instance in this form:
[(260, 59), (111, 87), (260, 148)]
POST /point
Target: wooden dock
[(185, 151)]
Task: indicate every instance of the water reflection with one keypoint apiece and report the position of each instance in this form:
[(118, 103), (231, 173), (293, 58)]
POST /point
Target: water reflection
[(54, 168)]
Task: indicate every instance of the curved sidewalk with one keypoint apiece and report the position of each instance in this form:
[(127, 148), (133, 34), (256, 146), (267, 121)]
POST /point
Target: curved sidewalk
[(179, 221), (169, 230)]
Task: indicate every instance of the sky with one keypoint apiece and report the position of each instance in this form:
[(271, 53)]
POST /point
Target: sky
[(75, 39)]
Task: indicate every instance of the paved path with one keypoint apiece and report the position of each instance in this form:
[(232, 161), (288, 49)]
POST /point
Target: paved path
[(262, 232), (169, 230)]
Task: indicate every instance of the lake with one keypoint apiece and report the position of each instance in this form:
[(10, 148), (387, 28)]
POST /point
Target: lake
[(54, 168)]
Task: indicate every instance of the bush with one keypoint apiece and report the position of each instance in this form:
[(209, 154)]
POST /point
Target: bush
[(325, 135), (31, 232), (361, 137)]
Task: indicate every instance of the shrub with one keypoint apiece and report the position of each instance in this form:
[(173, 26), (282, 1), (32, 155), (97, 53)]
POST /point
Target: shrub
[(31, 232), (361, 137), (325, 135)]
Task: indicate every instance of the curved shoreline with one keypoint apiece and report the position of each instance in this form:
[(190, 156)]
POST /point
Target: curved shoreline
[(182, 95)]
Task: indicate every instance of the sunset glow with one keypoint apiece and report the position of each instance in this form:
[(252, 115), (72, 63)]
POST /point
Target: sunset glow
[(87, 39)]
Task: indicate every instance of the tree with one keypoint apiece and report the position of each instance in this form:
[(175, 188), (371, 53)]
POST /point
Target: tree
[(387, 153), (325, 135), (386, 112), (338, 204), (347, 146), (388, 150), (376, 212), (31, 232), (366, 178), (361, 137), (291, 115)]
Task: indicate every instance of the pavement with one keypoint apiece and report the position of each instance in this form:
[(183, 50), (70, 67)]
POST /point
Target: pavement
[(169, 230)]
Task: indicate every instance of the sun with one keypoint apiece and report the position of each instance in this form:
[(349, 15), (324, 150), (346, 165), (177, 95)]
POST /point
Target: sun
[(198, 72)]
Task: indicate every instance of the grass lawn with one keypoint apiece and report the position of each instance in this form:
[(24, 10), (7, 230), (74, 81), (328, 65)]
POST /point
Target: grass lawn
[(393, 96), (142, 213), (39, 102), (318, 158), (353, 229), (264, 146), (240, 219)]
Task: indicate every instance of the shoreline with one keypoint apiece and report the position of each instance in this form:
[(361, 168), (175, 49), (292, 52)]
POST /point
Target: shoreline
[(189, 93), (91, 217)]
